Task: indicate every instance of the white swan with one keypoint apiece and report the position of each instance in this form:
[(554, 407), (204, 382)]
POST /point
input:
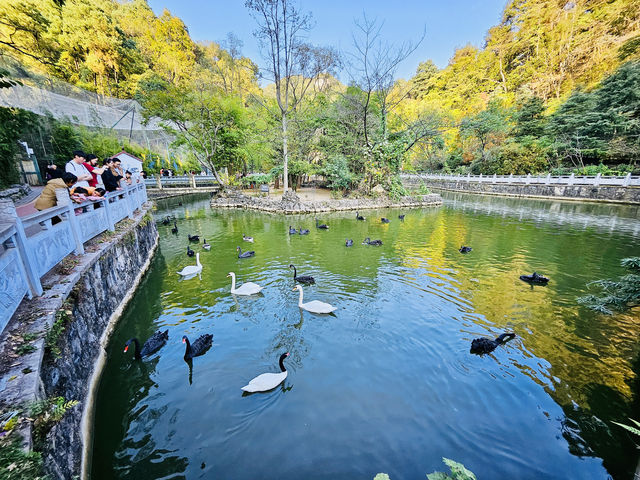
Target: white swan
[(267, 381), (314, 306), (247, 288), (192, 269)]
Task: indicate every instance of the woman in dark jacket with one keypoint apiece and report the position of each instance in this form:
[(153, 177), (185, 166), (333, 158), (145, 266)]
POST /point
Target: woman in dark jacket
[(110, 177)]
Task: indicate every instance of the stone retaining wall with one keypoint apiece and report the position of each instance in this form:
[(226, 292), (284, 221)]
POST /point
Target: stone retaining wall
[(92, 296), (291, 204), (612, 194)]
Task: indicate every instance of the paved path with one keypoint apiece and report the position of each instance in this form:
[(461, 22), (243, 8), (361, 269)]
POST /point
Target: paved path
[(24, 206)]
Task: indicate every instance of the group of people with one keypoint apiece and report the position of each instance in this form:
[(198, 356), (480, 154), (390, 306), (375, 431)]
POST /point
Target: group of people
[(84, 179)]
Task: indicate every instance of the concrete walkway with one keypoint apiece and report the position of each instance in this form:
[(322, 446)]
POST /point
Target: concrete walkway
[(24, 206)]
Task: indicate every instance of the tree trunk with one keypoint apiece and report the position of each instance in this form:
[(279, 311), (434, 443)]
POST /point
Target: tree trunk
[(285, 152)]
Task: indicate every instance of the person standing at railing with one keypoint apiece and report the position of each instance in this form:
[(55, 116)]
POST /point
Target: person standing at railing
[(110, 177), (91, 164), (47, 198), (76, 167)]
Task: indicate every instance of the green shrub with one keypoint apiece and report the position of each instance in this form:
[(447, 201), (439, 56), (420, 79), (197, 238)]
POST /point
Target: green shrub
[(617, 295), (338, 174), (18, 464)]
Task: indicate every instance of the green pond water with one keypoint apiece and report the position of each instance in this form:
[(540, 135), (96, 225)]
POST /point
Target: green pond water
[(386, 384)]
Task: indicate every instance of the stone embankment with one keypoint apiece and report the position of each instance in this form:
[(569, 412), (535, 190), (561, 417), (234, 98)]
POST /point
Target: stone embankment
[(589, 193), (83, 299), (291, 204)]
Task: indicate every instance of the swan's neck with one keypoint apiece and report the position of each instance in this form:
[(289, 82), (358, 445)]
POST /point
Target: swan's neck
[(282, 365), (300, 299), (233, 282), (136, 353), (295, 273), (239, 251), (198, 260), (187, 350)]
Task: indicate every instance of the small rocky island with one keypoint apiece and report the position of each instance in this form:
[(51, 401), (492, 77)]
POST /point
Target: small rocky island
[(290, 203)]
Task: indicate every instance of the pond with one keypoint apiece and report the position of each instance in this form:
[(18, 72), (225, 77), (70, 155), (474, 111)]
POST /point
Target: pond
[(387, 383)]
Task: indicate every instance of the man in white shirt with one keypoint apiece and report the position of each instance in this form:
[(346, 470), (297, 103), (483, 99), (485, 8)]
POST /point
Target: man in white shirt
[(76, 167)]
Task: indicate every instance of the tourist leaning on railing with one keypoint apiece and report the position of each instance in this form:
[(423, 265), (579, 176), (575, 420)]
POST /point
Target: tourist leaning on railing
[(47, 198), (76, 166), (91, 164)]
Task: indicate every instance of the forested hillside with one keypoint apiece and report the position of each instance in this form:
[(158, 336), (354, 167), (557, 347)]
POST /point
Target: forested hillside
[(556, 87), (541, 53)]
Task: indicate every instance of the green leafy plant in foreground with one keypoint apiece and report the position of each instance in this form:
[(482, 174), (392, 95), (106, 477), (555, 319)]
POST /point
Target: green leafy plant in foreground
[(18, 464), (618, 295), (458, 472), (47, 413), (635, 430)]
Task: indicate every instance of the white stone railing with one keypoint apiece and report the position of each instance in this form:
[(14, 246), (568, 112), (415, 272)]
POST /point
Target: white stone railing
[(595, 180), (181, 181), (31, 246)]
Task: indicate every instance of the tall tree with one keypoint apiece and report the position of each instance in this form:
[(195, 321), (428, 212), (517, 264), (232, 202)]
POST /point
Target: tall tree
[(293, 65)]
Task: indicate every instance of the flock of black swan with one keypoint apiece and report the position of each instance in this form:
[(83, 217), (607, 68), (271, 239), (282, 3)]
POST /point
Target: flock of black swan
[(268, 381)]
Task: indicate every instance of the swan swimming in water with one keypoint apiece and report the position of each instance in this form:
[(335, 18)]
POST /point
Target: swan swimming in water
[(247, 239), (197, 348), (464, 249), (247, 288), (314, 306), (308, 279), (154, 343), (205, 245), (268, 381), (192, 269), (242, 254), (486, 345)]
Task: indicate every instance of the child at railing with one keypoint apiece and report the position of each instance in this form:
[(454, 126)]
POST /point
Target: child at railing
[(82, 194)]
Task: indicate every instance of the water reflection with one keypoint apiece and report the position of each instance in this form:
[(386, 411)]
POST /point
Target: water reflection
[(604, 217)]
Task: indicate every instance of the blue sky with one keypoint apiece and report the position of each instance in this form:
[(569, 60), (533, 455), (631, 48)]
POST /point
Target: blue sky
[(449, 24)]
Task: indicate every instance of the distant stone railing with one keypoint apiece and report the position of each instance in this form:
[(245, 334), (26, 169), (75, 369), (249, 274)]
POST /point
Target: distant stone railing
[(31, 246), (181, 181), (569, 180)]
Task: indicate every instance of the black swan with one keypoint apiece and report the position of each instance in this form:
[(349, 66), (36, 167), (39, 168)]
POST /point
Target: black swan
[(292, 231), (174, 230), (384, 220), (307, 279), (485, 345), (154, 343), (401, 217), (193, 238), (464, 249), (534, 279), (348, 242), (190, 253), (304, 231), (242, 254), (368, 241), (197, 348), (322, 226), (359, 217), (166, 220)]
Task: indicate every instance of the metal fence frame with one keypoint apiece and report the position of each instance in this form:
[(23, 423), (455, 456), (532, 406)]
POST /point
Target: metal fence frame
[(31, 246)]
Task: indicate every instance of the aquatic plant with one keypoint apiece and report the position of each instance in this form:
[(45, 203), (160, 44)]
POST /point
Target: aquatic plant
[(617, 295)]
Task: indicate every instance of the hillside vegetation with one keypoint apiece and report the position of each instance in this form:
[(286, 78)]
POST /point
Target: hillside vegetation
[(556, 87)]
